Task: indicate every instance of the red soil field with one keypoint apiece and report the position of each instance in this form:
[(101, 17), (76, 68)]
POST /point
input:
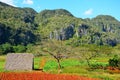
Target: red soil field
[(39, 76)]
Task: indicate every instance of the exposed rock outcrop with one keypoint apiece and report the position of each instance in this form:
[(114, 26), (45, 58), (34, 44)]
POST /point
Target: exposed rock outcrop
[(82, 30), (63, 33)]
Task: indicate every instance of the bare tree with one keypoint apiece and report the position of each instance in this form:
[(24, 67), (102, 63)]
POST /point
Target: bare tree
[(87, 53), (57, 49)]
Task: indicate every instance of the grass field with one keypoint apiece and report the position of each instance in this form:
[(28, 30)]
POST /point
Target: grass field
[(70, 66), (2, 63)]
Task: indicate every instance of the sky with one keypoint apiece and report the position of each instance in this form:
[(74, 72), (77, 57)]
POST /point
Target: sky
[(79, 8)]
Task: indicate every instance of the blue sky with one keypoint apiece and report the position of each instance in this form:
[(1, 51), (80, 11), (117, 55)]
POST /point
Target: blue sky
[(79, 8)]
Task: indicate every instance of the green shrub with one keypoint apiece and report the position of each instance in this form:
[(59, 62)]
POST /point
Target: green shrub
[(19, 49), (115, 61), (6, 48), (29, 48), (98, 66), (118, 64)]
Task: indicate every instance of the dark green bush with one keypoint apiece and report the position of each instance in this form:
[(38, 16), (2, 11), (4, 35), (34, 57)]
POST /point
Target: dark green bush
[(6, 48), (118, 64), (98, 66), (115, 61), (19, 49)]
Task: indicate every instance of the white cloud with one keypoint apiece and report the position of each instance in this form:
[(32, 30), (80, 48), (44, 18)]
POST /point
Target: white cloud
[(10, 2), (27, 2), (88, 12)]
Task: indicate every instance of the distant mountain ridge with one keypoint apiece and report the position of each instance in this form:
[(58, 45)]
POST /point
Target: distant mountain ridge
[(25, 25), (4, 4)]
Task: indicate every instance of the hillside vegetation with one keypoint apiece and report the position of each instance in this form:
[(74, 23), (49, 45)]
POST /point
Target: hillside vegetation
[(23, 28)]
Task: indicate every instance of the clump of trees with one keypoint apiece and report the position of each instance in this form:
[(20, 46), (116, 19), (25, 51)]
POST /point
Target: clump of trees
[(8, 48)]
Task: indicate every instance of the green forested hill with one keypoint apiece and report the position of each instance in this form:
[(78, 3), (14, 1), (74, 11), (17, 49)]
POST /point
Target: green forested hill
[(16, 25), (24, 25), (45, 14), (101, 30), (108, 27)]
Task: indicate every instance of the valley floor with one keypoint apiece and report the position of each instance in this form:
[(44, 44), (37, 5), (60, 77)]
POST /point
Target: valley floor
[(72, 69)]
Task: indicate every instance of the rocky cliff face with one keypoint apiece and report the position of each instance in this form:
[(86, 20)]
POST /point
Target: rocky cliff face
[(68, 32), (63, 33), (82, 30)]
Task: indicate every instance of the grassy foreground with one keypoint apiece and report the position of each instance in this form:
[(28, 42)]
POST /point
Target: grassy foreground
[(70, 66)]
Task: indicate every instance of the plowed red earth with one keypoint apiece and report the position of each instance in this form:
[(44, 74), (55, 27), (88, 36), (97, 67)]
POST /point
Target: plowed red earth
[(40, 76)]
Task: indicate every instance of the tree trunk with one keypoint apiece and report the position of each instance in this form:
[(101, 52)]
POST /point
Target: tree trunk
[(59, 65), (88, 62)]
